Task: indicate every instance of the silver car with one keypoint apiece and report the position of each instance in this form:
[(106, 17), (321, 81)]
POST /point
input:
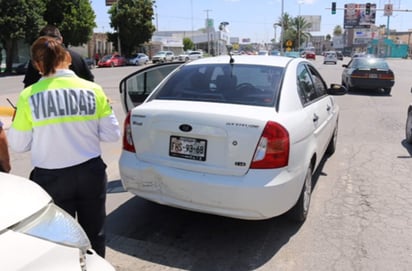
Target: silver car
[(330, 57)]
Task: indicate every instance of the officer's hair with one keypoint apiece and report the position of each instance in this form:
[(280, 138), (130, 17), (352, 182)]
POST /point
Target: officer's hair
[(47, 53)]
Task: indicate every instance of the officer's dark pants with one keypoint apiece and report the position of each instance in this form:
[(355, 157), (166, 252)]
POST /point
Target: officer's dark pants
[(81, 191)]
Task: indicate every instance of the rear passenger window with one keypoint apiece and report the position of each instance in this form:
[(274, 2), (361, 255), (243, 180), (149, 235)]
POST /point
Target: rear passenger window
[(320, 85), (306, 87)]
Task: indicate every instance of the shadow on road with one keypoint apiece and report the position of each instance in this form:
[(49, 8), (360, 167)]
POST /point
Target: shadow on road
[(193, 241)]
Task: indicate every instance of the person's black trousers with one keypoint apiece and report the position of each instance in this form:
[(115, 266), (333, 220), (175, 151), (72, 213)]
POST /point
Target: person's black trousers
[(81, 191)]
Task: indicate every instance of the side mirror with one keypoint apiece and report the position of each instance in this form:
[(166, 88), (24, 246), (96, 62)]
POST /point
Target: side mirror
[(345, 65), (337, 89)]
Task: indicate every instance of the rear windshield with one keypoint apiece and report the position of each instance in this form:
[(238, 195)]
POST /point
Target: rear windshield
[(226, 83), (370, 63)]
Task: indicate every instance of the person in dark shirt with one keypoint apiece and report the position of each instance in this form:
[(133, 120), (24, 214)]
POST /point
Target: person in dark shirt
[(79, 66)]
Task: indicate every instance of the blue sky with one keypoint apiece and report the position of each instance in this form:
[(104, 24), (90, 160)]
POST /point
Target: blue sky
[(254, 18)]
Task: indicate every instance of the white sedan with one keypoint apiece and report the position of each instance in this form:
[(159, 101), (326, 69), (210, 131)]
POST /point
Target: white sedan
[(35, 234), (236, 136)]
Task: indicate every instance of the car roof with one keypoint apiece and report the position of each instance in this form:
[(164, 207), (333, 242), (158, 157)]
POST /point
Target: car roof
[(278, 61), (19, 199)]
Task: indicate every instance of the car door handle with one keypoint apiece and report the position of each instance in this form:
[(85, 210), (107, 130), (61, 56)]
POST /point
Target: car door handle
[(315, 118), (328, 108)]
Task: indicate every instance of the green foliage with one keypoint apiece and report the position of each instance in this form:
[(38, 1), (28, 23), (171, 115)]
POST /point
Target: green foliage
[(74, 18), (132, 20), (295, 29), (188, 44), (19, 20)]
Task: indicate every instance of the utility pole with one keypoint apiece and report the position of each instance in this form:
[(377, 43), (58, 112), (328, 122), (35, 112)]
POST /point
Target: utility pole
[(208, 30), (281, 29)]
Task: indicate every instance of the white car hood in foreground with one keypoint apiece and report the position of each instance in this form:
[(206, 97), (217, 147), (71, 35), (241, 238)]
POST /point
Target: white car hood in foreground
[(19, 199)]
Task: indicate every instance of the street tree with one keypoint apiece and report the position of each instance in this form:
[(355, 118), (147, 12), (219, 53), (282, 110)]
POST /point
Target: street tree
[(188, 44), (337, 31), (74, 18), (19, 20), (300, 30), (284, 22), (132, 20)]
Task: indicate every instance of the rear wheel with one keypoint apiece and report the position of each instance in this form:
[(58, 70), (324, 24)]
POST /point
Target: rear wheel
[(408, 129), (299, 212)]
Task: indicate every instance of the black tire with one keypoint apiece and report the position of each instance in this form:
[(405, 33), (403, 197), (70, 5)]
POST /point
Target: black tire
[(332, 143), (408, 128), (300, 211)]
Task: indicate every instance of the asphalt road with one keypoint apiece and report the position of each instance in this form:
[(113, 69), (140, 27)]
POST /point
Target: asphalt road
[(360, 216)]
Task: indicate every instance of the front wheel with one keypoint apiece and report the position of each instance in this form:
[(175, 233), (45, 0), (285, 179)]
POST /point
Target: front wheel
[(408, 128), (300, 211)]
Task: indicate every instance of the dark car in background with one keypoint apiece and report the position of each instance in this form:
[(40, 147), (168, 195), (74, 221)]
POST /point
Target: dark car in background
[(22, 67), (90, 62), (368, 73)]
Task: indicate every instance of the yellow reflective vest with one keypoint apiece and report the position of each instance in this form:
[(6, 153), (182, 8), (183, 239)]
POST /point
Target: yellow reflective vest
[(62, 120)]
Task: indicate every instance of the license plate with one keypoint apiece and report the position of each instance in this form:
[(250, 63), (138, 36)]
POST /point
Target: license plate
[(188, 148), (373, 76)]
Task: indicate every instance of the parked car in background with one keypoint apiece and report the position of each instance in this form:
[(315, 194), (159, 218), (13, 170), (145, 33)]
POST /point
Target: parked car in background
[(263, 53), (22, 67), (339, 55), (163, 56), (190, 55), (293, 54), (114, 60), (90, 62), (231, 135), (309, 55), (368, 73), (330, 57), (138, 59), (35, 234), (408, 128), (274, 53)]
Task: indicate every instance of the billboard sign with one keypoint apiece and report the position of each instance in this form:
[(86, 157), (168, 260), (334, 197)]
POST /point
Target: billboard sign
[(314, 21), (356, 17)]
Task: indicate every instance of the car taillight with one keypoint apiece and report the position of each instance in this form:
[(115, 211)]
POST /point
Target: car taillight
[(127, 135), (272, 150), (386, 76)]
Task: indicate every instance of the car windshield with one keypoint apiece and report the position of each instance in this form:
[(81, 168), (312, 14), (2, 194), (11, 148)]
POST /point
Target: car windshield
[(106, 57), (370, 63), (226, 83)]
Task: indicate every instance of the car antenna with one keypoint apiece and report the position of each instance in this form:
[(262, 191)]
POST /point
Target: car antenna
[(229, 49)]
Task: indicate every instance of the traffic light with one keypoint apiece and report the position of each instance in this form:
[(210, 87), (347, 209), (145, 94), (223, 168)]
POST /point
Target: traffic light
[(333, 7), (368, 9)]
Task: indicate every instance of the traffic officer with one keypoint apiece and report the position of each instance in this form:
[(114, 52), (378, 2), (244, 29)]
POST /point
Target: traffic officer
[(62, 119)]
